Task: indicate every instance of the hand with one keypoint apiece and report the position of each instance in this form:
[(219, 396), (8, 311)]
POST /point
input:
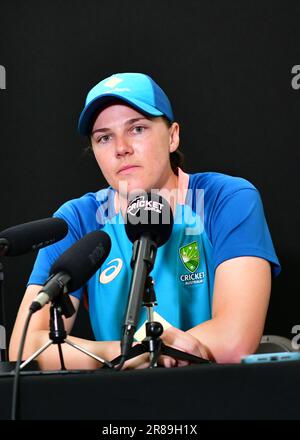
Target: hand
[(183, 341), (137, 363), (110, 350)]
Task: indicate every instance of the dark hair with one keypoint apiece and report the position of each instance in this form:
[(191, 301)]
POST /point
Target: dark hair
[(176, 158)]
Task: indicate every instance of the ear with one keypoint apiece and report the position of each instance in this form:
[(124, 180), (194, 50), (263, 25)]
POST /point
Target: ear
[(174, 137)]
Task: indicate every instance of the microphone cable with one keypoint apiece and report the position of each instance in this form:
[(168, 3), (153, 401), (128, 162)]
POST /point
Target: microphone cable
[(15, 394)]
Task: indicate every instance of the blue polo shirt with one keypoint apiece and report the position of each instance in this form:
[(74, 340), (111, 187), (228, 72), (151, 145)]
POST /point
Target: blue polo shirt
[(217, 217)]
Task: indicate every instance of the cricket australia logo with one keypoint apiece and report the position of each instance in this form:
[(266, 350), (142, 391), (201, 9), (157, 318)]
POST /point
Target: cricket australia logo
[(190, 257)]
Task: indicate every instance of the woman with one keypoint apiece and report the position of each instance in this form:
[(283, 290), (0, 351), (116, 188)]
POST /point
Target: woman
[(212, 277)]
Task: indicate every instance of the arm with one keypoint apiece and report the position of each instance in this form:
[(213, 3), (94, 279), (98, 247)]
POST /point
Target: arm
[(240, 302), (242, 253), (38, 335)]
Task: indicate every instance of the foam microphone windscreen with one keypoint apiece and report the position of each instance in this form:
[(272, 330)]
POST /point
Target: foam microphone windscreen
[(33, 235), (82, 259), (149, 214)]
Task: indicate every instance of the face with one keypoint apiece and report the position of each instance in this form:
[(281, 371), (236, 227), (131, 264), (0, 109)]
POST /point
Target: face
[(133, 150)]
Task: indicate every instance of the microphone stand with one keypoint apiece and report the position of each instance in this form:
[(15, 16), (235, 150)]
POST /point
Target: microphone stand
[(5, 365), (3, 353), (61, 305), (152, 343)]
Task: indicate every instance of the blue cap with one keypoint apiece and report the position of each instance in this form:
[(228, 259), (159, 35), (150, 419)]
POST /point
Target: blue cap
[(136, 89)]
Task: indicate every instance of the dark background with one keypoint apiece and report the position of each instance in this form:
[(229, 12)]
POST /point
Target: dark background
[(227, 68)]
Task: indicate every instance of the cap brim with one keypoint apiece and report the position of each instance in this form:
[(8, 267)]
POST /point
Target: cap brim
[(87, 116)]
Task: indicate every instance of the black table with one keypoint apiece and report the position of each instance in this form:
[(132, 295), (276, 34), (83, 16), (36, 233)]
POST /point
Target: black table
[(202, 392)]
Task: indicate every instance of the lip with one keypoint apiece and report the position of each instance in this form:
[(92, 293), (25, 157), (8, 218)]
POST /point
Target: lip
[(127, 169)]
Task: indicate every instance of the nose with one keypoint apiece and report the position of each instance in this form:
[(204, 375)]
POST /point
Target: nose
[(123, 146)]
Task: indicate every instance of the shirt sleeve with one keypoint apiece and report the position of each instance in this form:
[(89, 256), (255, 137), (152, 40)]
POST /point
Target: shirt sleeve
[(239, 228), (48, 255)]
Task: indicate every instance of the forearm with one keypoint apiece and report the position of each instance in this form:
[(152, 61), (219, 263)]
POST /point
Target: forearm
[(226, 343), (240, 302), (73, 358)]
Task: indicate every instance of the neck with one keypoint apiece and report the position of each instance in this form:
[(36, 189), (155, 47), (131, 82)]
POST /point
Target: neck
[(168, 191)]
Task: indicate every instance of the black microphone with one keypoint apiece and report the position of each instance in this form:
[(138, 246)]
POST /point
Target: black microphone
[(74, 267), (149, 224), (32, 236)]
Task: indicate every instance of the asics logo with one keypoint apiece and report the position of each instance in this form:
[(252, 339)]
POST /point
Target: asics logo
[(111, 271)]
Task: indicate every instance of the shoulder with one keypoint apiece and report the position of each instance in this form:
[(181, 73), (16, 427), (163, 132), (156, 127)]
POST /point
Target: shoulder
[(220, 196), (84, 212), (214, 183), (214, 189)]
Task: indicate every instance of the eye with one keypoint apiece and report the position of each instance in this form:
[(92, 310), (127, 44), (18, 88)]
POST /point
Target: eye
[(103, 139), (138, 129)]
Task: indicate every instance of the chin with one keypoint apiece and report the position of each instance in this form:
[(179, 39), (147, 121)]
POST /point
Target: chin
[(138, 183), (137, 187)]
